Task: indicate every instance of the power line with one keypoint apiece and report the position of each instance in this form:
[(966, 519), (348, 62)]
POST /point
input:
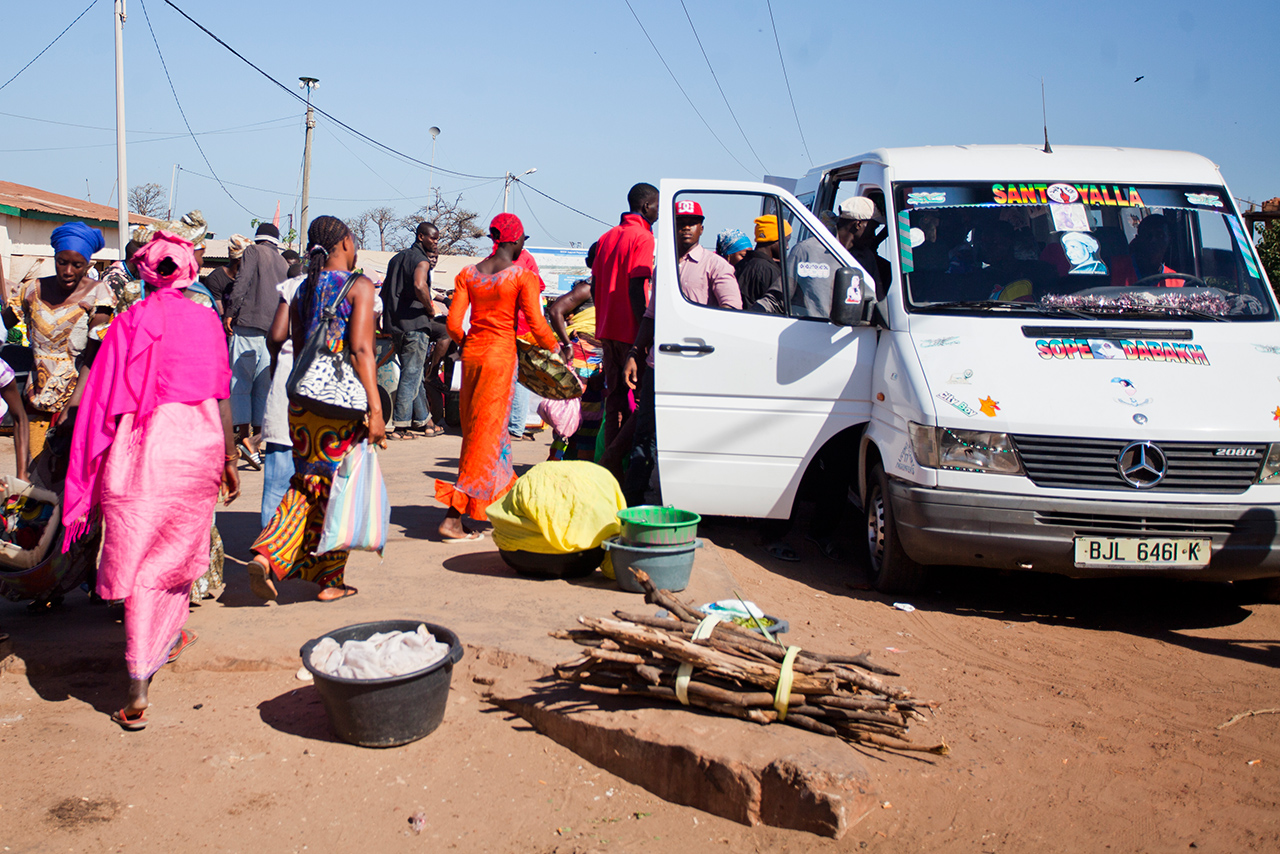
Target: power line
[(183, 113), (787, 80), (92, 3), (135, 142), (294, 192), (366, 165), (535, 216), (570, 207), (322, 112), (681, 88), (365, 137), (721, 88), (165, 133)]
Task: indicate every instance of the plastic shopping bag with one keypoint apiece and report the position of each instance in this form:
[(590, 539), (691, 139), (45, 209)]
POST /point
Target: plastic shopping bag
[(564, 416), (359, 513)]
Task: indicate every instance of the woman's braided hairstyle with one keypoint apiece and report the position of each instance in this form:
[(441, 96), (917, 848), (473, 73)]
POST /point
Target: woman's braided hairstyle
[(324, 233)]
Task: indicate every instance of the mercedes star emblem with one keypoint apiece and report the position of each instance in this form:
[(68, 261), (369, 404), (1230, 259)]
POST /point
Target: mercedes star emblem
[(1142, 465)]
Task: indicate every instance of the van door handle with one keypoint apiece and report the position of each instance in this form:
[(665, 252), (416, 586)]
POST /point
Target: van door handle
[(686, 348)]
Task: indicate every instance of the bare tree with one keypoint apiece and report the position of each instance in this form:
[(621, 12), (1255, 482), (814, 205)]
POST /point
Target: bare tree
[(147, 199), (459, 229), (381, 223)]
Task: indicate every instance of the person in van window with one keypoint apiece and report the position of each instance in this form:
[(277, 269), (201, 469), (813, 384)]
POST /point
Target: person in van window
[(1002, 276), (732, 245), (814, 268), (759, 270), (866, 240), (705, 277), (1146, 256)]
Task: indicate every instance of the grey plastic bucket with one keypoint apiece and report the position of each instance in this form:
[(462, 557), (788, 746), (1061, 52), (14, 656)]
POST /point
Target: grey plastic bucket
[(391, 711), (668, 567)]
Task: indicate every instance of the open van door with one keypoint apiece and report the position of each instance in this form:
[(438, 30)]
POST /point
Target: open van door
[(745, 399)]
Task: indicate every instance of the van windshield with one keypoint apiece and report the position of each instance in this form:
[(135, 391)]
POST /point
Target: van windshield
[(1078, 248)]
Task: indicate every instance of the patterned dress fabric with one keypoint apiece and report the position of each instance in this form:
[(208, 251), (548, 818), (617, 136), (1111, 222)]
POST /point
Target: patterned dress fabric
[(488, 364), (319, 444)]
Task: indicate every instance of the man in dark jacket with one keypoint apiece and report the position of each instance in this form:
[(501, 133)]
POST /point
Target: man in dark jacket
[(407, 314), (759, 272), (250, 306)]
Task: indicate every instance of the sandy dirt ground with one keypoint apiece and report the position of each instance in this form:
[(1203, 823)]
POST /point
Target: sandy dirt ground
[(1082, 716)]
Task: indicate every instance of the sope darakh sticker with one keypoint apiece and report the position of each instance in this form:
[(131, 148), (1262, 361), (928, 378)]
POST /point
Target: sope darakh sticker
[(1121, 350)]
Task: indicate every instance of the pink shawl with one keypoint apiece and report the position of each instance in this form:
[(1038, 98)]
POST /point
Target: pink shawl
[(165, 349)]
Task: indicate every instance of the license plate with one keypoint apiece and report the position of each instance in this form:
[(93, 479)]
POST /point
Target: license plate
[(1133, 552)]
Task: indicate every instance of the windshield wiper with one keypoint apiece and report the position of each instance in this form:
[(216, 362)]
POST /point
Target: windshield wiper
[(1024, 307)]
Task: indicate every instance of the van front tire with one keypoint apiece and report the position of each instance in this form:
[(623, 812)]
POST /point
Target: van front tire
[(892, 570)]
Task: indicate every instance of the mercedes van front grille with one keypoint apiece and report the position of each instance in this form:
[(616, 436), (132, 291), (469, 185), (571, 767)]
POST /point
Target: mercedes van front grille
[(1069, 462)]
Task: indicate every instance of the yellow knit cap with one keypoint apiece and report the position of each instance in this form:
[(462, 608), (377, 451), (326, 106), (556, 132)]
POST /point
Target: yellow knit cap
[(767, 228)]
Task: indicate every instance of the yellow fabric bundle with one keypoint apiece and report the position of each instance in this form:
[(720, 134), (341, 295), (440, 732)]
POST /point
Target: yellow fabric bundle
[(558, 508)]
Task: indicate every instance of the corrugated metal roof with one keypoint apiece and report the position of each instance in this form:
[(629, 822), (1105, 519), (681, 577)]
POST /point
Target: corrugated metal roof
[(19, 197)]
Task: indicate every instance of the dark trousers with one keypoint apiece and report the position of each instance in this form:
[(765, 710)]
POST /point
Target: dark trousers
[(644, 450)]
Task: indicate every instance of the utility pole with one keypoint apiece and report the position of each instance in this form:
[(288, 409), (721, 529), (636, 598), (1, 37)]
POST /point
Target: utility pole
[(121, 180), (511, 179), (173, 187), (307, 83)]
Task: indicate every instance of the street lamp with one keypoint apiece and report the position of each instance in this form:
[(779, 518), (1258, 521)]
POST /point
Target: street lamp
[(435, 132), (307, 83), (511, 179)]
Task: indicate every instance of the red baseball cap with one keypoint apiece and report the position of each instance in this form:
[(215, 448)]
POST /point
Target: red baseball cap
[(688, 207)]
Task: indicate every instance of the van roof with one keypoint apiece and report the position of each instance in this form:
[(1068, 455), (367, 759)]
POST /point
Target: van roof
[(1030, 163)]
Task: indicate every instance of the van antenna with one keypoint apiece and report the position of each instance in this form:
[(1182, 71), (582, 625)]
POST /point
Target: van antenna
[(1044, 114)]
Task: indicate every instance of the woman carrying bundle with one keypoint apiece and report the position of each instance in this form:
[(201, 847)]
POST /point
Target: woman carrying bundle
[(492, 289)]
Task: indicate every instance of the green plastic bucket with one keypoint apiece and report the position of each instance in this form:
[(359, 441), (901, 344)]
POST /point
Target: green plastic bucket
[(668, 567), (649, 525)]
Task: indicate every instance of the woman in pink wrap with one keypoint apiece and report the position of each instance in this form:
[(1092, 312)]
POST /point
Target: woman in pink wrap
[(152, 448)]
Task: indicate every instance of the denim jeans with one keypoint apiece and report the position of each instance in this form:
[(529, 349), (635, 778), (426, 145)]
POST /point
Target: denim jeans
[(519, 406), (250, 375), (277, 471), (410, 408)]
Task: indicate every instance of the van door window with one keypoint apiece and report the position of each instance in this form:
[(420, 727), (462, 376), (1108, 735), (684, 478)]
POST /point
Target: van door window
[(733, 252)]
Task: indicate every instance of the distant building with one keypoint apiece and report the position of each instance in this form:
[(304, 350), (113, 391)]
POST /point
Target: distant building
[(28, 217)]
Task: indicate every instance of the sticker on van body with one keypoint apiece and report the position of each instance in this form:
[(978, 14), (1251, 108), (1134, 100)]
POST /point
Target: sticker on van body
[(1121, 350), (926, 343), (927, 198), (906, 460), (988, 407), (948, 397)]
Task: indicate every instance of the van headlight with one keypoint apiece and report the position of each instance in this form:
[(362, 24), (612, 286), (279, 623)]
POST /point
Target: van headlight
[(968, 450), (1270, 472)]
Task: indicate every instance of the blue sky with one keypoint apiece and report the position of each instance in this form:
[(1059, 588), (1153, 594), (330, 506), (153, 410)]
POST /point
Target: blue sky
[(575, 90)]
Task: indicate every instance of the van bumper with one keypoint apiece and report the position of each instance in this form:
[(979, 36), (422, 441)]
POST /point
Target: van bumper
[(969, 528)]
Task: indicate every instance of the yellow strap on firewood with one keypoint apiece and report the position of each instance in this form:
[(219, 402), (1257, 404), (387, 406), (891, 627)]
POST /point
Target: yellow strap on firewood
[(685, 670), (782, 695)]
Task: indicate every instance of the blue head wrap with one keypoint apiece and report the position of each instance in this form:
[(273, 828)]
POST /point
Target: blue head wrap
[(77, 237), (731, 240)]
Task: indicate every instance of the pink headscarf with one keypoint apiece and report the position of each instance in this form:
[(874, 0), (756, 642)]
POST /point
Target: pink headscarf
[(165, 349), (164, 245)]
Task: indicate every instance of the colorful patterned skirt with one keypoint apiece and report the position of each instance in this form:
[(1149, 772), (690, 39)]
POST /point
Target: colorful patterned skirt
[(287, 543)]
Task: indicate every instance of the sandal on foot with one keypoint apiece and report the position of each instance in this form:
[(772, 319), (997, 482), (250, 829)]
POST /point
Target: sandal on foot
[(132, 722), (468, 537), (185, 639), (347, 590), (250, 456), (782, 551), (434, 431), (260, 582)]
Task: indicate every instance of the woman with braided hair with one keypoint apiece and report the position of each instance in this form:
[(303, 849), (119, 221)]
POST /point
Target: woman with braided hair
[(284, 548)]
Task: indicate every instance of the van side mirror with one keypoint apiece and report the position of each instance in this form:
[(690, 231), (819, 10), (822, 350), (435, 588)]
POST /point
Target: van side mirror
[(848, 297)]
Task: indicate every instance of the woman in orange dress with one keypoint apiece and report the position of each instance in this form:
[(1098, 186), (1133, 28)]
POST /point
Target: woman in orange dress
[(493, 289)]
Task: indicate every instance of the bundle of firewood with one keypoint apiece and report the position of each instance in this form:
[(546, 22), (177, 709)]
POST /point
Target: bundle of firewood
[(735, 671)]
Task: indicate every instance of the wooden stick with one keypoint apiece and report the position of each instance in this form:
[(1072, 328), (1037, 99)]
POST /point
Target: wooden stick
[(896, 743), (1235, 719), (619, 657)]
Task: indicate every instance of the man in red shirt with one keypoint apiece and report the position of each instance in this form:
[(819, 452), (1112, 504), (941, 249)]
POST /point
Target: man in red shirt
[(622, 275)]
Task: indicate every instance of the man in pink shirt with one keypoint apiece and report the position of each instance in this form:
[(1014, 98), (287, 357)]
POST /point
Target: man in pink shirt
[(705, 277), (622, 276)]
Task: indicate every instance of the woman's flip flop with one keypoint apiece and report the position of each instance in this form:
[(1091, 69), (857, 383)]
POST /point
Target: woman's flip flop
[(347, 590), (470, 537), (260, 582), (132, 722), (185, 639)]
